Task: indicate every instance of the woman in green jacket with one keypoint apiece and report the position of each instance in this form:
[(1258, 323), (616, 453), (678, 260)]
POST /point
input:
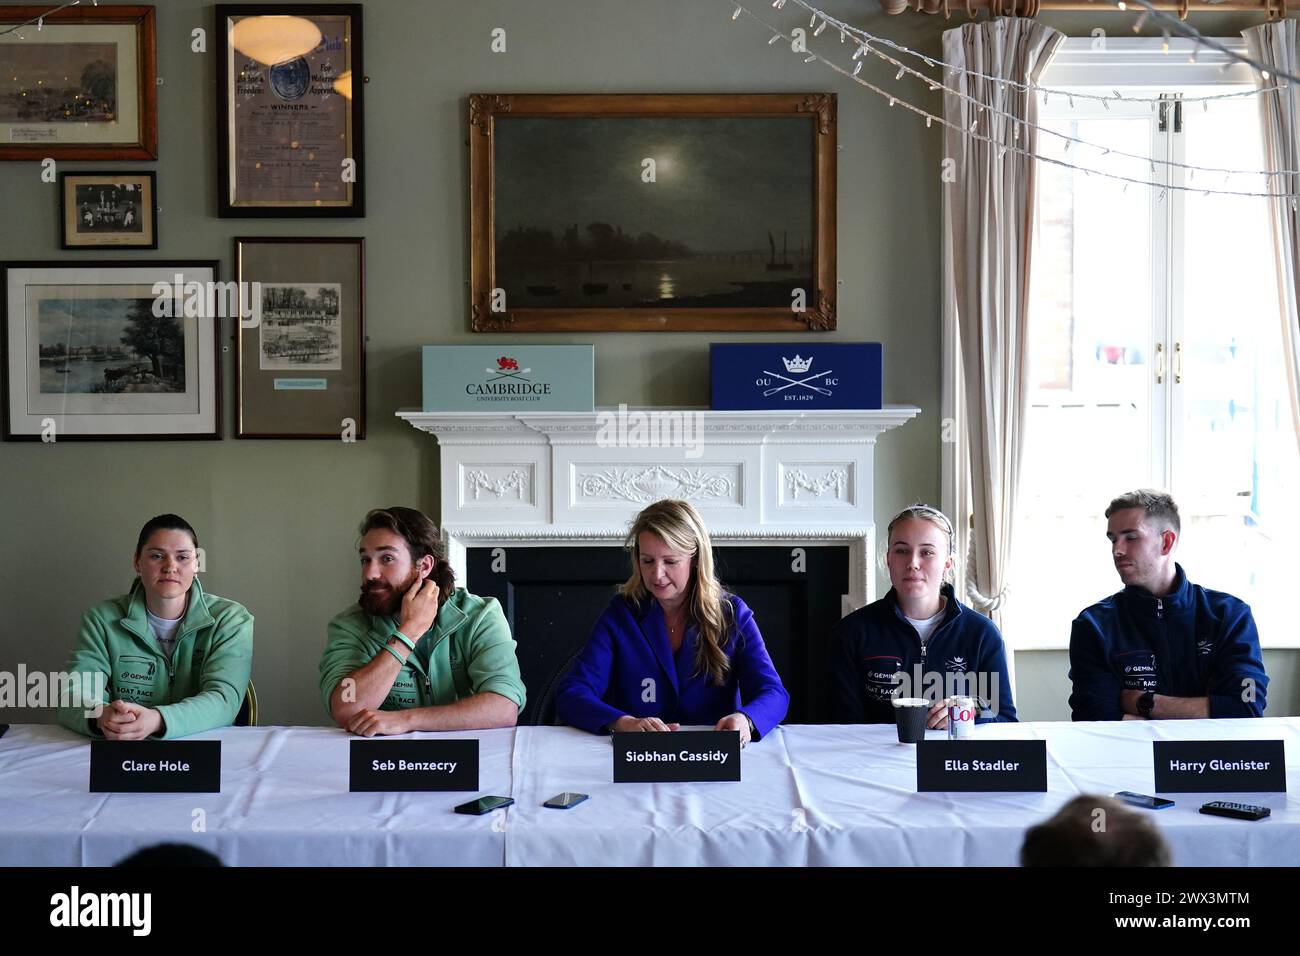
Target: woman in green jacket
[(175, 661)]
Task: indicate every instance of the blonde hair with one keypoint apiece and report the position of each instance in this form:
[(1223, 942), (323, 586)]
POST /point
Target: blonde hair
[(680, 527), (923, 512)]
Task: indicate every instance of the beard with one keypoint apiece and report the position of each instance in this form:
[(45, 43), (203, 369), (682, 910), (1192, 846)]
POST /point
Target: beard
[(383, 601)]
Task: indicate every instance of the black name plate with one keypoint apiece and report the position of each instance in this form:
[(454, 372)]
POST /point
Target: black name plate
[(155, 766), (1012, 766), (1220, 766), (683, 756), (376, 766)]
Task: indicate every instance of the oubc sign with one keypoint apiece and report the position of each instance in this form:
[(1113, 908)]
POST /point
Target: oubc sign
[(844, 375)]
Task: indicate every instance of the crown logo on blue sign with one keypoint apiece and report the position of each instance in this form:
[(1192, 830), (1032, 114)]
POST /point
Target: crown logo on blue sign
[(797, 364)]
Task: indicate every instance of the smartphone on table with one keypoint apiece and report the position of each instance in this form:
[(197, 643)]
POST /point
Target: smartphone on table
[(484, 805), (562, 801), (1143, 800)]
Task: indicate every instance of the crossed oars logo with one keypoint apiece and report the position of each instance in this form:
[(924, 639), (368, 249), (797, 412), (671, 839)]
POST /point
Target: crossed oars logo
[(508, 368), (801, 382)]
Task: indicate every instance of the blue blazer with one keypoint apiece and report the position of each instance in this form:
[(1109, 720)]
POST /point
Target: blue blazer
[(627, 668)]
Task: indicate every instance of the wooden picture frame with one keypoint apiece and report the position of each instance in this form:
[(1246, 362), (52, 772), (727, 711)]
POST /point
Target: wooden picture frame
[(652, 212), (108, 210), (306, 162), (109, 350), (107, 112), (300, 361)]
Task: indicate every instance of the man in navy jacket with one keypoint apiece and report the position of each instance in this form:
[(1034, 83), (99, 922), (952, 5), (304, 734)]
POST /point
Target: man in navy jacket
[(1162, 647)]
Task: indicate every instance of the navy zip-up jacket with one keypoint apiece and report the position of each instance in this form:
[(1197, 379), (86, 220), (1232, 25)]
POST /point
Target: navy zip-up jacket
[(1193, 642), (877, 655)]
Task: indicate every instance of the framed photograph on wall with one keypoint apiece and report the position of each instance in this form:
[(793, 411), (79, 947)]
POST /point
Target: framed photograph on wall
[(301, 355), (290, 130), (649, 212), (108, 210), (83, 86), (110, 350)]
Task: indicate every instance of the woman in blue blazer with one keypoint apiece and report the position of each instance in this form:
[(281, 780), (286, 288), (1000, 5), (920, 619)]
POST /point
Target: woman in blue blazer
[(673, 647)]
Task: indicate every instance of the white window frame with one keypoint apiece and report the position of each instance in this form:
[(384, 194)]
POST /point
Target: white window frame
[(1103, 65)]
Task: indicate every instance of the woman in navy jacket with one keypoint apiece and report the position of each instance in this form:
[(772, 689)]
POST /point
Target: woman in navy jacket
[(673, 648), (918, 640)]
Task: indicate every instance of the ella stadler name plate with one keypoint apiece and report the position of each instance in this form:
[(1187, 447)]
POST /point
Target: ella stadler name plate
[(683, 756)]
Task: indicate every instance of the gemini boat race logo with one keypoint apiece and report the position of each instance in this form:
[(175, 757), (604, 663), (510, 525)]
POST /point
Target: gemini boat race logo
[(508, 382), (803, 389)]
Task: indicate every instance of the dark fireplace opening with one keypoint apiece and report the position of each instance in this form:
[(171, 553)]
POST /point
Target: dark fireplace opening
[(552, 596)]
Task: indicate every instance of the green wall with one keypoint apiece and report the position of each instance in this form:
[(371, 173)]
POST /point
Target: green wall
[(277, 518)]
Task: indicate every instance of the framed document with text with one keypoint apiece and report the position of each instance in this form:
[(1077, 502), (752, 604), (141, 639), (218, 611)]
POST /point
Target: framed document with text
[(290, 115)]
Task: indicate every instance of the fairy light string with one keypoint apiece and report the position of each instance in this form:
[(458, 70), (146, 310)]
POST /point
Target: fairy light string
[(976, 108)]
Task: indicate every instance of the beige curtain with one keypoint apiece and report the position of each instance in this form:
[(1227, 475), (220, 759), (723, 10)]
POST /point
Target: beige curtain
[(990, 207), (1274, 44)]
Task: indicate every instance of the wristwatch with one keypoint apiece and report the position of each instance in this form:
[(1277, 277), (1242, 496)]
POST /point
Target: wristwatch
[(1145, 704)]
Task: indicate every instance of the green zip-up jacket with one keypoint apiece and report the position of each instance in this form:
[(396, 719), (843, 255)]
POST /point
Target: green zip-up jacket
[(203, 686), (468, 650)]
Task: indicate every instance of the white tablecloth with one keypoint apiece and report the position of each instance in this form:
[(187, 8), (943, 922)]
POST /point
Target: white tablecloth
[(284, 801), (810, 795)]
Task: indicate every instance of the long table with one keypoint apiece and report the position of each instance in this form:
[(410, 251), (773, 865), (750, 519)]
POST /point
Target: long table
[(811, 796)]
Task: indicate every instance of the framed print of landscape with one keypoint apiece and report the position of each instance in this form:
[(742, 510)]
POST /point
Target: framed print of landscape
[(83, 86), (641, 212), (102, 350)]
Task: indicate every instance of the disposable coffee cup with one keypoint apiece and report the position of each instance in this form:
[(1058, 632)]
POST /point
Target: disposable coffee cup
[(910, 714)]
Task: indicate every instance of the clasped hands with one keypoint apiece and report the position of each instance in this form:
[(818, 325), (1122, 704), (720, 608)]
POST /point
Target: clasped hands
[(123, 720)]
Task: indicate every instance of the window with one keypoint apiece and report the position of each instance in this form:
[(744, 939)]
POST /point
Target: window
[(1155, 343)]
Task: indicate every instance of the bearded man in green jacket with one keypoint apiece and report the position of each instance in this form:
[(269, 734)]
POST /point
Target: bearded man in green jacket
[(416, 652), (173, 659)]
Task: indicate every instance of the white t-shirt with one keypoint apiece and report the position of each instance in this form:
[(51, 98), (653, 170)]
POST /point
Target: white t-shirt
[(164, 631), (926, 628)]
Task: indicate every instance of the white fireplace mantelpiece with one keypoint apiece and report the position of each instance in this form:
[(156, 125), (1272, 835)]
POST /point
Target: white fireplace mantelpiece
[(757, 477)]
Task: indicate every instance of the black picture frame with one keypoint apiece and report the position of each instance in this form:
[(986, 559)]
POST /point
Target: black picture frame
[(117, 419), (74, 235), (233, 197)]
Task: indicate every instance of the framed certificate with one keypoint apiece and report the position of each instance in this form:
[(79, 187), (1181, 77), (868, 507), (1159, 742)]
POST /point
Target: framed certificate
[(290, 116), (83, 86), (301, 367)]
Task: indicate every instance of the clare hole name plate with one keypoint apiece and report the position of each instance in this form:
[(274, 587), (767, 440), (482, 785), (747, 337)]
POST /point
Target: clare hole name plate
[(1220, 766), (1009, 766), (377, 766), (683, 756), (155, 766)]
